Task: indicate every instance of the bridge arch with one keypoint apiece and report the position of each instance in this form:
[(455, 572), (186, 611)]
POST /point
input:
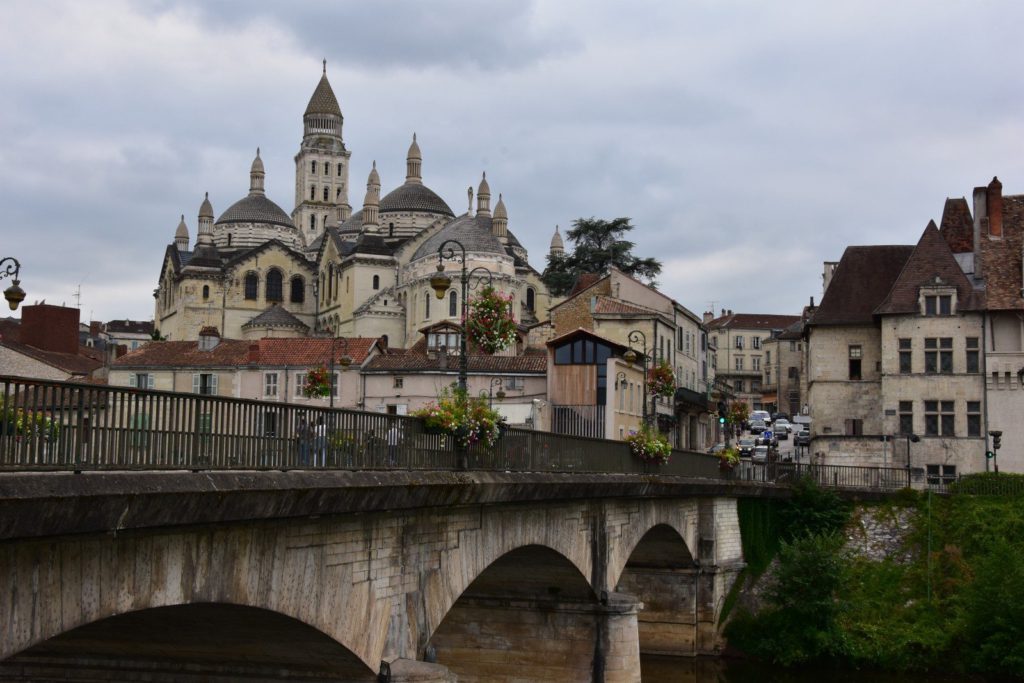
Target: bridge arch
[(198, 641), (681, 517)]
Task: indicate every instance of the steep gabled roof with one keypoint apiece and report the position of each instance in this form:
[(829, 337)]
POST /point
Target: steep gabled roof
[(752, 321), (931, 262), (860, 283), (237, 352), (275, 316), (80, 363), (413, 361)]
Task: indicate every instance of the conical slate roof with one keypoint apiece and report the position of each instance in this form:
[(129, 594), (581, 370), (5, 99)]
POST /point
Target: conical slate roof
[(323, 100), (275, 316)]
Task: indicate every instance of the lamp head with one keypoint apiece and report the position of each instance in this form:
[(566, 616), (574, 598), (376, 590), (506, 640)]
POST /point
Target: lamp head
[(440, 283), (629, 356), (14, 295), (345, 361)]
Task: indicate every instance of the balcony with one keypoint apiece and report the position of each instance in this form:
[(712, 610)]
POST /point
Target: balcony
[(578, 420)]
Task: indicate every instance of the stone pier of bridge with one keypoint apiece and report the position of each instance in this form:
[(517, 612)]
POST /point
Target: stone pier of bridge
[(359, 576)]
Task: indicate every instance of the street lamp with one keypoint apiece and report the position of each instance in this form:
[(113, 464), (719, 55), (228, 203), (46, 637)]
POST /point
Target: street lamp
[(911, 438), (638, 337), (344, 362), (495, 383), (14, 294), (441, 283)]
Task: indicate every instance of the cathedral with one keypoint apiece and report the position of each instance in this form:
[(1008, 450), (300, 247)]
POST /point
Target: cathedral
[(256, 271)]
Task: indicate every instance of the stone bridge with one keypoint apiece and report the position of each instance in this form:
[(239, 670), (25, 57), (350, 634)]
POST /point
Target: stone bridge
[(359, 576)]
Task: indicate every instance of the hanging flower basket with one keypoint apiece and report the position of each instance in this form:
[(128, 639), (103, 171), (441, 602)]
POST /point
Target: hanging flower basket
[(661, 381), (469, 421), (489, 322), (650, 446), (318, 383), (728, 459)]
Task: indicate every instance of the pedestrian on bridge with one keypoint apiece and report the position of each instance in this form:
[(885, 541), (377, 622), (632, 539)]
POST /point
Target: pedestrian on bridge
[(303, 435), (320, 443)]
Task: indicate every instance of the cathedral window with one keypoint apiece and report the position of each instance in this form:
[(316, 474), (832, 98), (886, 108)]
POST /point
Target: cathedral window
[(252, 285), (391, 229), (376, 281), (339, 170), (312, 223), (274, 285), (206, 292), (337, 194), (312, 192), (312, 167), (530, 299), (327, 168), (453, 304), (426, 305), (298, 293), (327, 194)]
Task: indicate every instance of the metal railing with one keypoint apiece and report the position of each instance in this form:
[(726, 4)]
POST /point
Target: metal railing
[(47, 425), (830, 476), (578, 420)]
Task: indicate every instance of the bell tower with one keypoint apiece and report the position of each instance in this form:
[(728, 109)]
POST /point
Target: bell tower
[(321, 166)]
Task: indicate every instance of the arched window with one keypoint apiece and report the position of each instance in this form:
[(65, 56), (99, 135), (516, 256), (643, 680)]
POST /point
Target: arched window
[(337, 194), (312, 223), (312, 167), (275, 285), (339, 169), (391, 229), (252, 286), (298, 294), (206, 291), (453, 304), (376, 281), (312, 192), (327, 168), (531, 299), (327, 194), (426, 305), (330, 281)]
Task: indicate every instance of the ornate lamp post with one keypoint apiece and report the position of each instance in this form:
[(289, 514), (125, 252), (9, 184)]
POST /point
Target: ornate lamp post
[(638, 337), (14, 294), (441, 283), (495, 383)]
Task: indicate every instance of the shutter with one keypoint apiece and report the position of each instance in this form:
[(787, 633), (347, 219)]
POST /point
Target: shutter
[(150, 381), (195, 383), (213, 385), (402, 409), (131, 380)]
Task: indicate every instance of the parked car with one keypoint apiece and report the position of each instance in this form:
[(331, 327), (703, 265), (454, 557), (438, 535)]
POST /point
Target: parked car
[(757, 426), (761, 415), (770, 440), (802, 438), (760, 454), (716, 449), (746, 447), (776, 416), (782, 428)]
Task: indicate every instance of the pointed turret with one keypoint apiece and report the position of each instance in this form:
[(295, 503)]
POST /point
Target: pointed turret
[(205, 254), (557, 246), (256, 175), (483, 197), (181, 235), (323, 107), (499, 226), (371, 203), (413, 163)]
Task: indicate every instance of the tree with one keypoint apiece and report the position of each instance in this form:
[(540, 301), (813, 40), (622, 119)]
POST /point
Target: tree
[(598, 245)]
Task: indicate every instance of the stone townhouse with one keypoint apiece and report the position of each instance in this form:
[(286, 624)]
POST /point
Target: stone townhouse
[(44, 344), (621, 310), (264, 369), (785, 370), (742, 357), (894, 352)]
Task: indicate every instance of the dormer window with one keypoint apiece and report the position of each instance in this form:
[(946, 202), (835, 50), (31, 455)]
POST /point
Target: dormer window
[(441, 340), (938, 300)]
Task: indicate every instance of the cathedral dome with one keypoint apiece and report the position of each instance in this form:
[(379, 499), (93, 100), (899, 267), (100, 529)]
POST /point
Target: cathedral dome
[(414, 197), (255, 209), (474, 232)]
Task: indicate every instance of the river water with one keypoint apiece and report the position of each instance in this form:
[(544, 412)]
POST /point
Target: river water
[(708, 670)]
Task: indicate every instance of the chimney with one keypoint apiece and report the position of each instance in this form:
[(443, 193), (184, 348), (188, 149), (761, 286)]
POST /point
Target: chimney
[(994, 196), (254, 354), (708, 316), (120, 350), (383, 342), (95, 327), (50, 328), (980, 222)]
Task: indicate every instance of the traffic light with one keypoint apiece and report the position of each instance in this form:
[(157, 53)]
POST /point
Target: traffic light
[(721, 419), (989, 454), (997, 441)]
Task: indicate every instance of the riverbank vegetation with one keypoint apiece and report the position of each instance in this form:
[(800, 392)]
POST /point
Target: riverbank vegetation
[(954, 601)]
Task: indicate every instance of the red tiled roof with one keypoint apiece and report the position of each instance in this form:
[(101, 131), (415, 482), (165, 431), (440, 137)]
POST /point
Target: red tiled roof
[(72, 363), (531, 363), (930, 260), (957, 226), (753, 321), (235, 352), (606, 304), (998, 261), (860, 283)]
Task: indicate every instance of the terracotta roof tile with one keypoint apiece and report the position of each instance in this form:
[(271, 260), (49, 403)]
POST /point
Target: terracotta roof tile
[(606, 304), (931, 261), (957, 226), (411, 361), (860, 283), (72, 363), (999, 260), (235, 352)]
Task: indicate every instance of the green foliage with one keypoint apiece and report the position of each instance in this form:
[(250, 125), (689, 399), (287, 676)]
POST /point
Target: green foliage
[(490, 324), (598, 245), (467, 419), (738, 412), (27, 423), (812, 511), (650, 446), (989, 483), (993, 611), (759, 532)]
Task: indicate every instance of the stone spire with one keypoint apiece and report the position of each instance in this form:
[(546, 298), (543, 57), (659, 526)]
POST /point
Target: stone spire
[(204, 235), (499, 226), (371, 203), (483, 198), (413, 163), (557, 246), (181, 235), (256, 175)]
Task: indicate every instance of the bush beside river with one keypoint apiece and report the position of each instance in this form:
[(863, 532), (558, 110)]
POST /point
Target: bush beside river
[(950, 599)]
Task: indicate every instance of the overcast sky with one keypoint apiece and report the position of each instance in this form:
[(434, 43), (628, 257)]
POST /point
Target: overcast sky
[(749, 142)]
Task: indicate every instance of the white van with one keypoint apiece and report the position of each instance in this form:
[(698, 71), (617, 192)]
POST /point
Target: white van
[(760, 415)]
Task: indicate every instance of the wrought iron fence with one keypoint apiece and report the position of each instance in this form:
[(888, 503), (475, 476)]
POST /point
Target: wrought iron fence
[(831, 476)]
